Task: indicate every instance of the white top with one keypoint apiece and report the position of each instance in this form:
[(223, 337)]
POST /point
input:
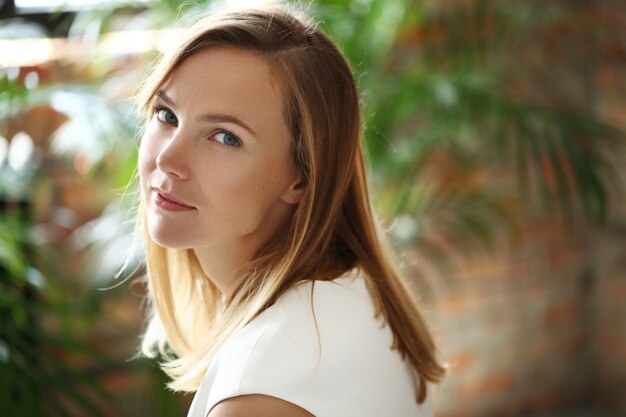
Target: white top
[(278, 354)]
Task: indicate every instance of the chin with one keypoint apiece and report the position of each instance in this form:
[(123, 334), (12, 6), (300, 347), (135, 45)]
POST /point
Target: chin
[(168, 240)]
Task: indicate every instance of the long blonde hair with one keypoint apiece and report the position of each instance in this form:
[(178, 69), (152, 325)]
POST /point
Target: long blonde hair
[(332, 230)]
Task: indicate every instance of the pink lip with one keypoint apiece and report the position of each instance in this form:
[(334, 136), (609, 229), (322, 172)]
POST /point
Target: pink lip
[(169, 202)]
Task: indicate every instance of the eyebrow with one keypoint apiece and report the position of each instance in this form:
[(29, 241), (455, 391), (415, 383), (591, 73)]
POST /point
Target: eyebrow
[(210, 118)]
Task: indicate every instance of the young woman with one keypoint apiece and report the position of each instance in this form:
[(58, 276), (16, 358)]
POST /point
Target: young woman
[(271, 287)]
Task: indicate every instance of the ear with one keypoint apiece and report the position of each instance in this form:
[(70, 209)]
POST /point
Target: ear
[(293, 194)]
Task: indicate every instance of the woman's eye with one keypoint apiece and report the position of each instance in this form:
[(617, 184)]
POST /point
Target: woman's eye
[(166, 116), (227, 139)]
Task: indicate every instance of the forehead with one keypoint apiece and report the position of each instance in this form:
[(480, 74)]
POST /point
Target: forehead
[(227, 80)]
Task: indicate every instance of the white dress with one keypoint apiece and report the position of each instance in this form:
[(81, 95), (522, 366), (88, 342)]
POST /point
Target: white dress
[(278, 354)]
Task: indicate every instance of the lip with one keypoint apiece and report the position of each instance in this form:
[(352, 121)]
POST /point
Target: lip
[(169, 202)]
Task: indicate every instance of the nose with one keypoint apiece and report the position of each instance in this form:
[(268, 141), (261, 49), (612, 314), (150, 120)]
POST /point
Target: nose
[(172, 158)]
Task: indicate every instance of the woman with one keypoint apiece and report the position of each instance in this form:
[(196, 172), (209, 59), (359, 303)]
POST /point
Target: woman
[(271, 288)]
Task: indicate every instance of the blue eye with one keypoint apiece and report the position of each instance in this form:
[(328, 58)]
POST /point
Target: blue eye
[(165, 115), (227, 139)]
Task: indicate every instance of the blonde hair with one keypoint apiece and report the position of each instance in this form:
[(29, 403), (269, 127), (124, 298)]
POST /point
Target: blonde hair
[(332, 230)]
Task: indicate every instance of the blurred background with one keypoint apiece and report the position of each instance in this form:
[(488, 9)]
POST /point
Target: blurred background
[(495, 136)]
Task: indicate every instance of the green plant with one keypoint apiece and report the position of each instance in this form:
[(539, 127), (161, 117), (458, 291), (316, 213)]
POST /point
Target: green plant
[(453, 146), (39, 342), (36, 376)]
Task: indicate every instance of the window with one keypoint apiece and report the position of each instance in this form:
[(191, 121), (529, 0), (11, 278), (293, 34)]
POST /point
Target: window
[(48, 6)]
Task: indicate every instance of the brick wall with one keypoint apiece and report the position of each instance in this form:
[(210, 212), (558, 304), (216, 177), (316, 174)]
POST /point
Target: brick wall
[(608, 293), (535, 329), (515, 329), (608, 318), (540, 328)]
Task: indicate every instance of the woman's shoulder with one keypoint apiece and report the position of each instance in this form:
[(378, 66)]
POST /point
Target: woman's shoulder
[(319, 347), (313, 321), (342, 302), (306, 312)]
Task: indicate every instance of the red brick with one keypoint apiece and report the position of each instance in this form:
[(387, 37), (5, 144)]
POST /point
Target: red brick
[(618, 291), (613, 346), (454, 304), (539, 348), (536, 405), (457, 413), (122, 381), (559, 315), (608, 78), (576, 342), (461, 362), (494, 384)]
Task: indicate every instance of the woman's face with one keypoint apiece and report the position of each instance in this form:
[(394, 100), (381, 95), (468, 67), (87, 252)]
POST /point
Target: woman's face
[(215, 163)]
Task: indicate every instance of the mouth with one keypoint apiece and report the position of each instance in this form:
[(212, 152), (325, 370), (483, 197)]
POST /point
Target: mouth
[(169, 202)]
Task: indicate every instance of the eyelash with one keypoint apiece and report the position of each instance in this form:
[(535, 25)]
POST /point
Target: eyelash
[(156, 109), (159, 108)]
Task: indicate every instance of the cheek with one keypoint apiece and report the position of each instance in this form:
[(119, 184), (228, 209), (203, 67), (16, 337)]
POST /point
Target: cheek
[(238, 194), (251, 182), (256, 189)]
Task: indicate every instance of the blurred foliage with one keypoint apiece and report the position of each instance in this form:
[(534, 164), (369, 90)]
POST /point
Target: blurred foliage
[(444, 121), (37, 376), (50, 358), (460, 153)]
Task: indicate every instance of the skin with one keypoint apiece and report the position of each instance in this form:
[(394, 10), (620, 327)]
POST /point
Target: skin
[(239, 180), (257, 406), (218, 142)]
